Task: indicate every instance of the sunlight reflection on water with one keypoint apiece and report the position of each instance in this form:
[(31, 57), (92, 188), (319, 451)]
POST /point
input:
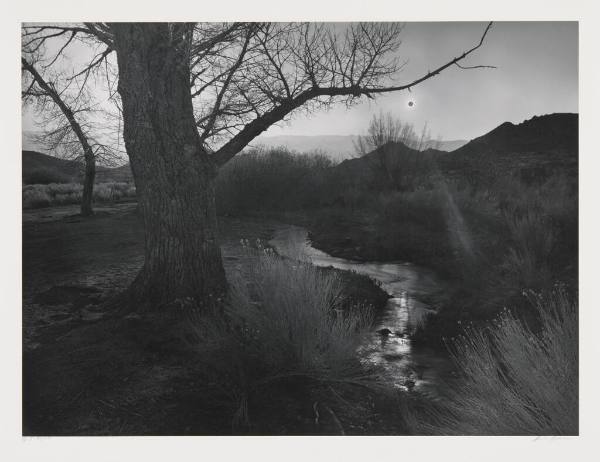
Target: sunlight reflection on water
[(403, 364)]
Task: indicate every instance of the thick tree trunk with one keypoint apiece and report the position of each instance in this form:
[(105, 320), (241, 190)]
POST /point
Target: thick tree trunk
[(174, 175), (88, 184)]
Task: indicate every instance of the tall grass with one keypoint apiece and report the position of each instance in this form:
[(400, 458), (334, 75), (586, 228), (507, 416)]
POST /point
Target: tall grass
[(515, 380), (494, 237), (294, 311), (529, 256), (47, 195), (285, 320), (271, 180)]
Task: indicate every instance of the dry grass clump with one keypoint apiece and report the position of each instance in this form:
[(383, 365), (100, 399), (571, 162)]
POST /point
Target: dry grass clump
[(35, 197), (272, 180), (47, 195), (515, 380), (530, 253), (293, 310), (284, 323)]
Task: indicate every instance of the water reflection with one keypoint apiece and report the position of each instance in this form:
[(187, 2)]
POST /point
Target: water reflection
[(403, 364)]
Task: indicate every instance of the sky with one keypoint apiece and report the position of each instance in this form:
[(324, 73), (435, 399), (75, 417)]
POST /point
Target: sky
[(536, 73)]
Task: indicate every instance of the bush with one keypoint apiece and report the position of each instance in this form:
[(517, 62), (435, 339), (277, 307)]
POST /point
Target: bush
[(45, 175), (46, 195), (107, 192), (494, 238), (35, 198), (271, 181), (515, 380), (294, 312), (425, 208), (284, 321), (528, 259)]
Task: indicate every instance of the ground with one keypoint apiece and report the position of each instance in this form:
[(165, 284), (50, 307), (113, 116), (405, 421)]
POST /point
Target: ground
[(89, 371)]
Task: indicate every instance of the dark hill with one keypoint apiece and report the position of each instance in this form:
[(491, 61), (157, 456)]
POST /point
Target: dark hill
[(120, 174), (551, 132), (393, 166), (42, 168), (533, 150)]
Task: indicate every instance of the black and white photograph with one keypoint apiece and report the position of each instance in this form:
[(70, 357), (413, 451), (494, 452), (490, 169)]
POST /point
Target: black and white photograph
[(322, 228)]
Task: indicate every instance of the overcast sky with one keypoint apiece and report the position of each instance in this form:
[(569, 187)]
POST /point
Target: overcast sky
[(536, 74)]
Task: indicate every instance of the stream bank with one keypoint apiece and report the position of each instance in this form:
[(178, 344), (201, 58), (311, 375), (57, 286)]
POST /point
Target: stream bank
[(389, 345), (88, 373)]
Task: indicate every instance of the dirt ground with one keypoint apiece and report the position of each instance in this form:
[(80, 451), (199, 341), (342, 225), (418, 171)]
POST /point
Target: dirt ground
[(87, 371)]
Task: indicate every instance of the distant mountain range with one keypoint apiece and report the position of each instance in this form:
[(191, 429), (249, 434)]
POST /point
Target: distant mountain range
[(42, 168), (542, 143), (537, 147), (338, 147), (551, 132)]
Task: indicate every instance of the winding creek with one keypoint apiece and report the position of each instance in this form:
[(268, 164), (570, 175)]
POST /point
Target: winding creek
[(404, 365)]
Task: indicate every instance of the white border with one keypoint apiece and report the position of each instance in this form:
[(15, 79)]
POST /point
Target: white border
[(14, 447)]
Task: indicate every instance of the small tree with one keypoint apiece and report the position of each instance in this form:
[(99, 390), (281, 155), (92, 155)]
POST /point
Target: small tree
[(66, 127), (386, 135), (386, 128)]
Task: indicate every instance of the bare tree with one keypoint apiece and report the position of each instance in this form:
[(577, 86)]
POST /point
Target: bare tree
[(383, 129), (194, 95), (47, 90), (66, 120), (386, 128), (386, 136)]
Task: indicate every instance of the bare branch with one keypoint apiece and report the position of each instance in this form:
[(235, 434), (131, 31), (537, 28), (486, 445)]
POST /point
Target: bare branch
[(224, 88), (358, 60), (68, 113), (480, 66)]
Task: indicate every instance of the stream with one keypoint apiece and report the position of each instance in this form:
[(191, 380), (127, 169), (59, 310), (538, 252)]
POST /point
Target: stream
[(403, 364)]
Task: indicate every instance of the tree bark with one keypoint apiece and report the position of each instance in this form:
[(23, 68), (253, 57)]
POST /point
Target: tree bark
[(88, 184), (173, 173)]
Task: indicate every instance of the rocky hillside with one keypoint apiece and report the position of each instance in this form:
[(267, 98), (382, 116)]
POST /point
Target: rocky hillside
[(532, 150), (41, 168)]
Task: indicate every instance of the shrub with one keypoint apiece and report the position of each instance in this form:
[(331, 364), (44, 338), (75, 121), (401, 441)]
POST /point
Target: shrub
[(294, 312), (273, 180), (45, 175), (46, 195), (113, 191), (528, 258), (514, 379), (424, 208), (35, 198), (73, 197), (284, 321)]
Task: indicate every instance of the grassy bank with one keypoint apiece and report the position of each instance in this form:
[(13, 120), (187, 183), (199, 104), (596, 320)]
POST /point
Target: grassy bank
[(291, 338), (282, 360), (53, 194), (493, 233), (514, 380)]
